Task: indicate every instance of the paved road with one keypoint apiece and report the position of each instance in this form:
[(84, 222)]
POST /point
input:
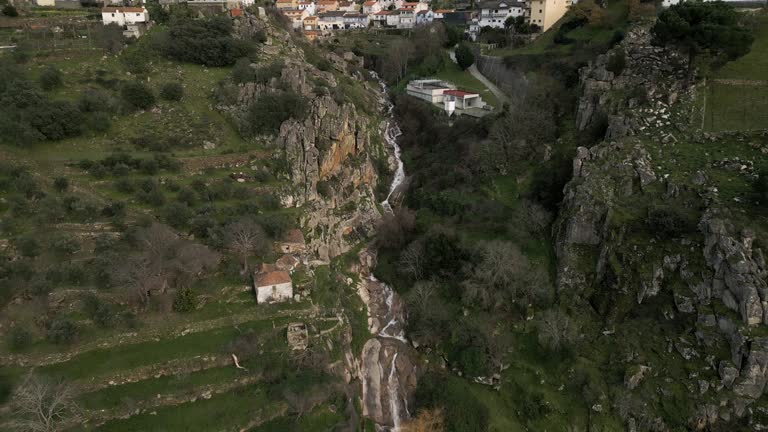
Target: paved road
[(500, 95)]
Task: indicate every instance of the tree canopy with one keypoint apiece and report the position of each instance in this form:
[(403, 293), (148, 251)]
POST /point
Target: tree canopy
[(464, 56), (703, 27)]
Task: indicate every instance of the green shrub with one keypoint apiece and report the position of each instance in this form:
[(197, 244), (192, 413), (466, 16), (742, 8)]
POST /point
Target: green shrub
[(28, 246), (51, 78), (203, 41), (464, 56), (137, 95), (99, 122), (172, 91), (242, 72), (269, 111), (184, 300), (61, 184), (20, 339), (177, 214), (9, 11), (62, 331)]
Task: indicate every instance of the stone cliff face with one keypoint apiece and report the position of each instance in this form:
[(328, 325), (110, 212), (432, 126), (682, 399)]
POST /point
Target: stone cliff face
[(329, 151), (616, 92), (705, 278)]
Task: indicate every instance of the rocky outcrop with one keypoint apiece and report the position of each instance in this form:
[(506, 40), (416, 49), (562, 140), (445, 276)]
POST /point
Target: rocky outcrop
[(634, 96), (387, 368), (739, 272), (389, 380), (602, 175), (328, 153)]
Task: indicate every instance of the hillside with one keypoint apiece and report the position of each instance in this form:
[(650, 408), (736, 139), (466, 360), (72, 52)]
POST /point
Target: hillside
[(125, 204)]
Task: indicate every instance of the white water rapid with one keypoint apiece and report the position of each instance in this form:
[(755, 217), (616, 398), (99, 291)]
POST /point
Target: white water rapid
[(391, 132), (394, 314)]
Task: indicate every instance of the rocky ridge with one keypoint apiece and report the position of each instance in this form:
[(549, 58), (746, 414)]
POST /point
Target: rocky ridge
[(708, 282)]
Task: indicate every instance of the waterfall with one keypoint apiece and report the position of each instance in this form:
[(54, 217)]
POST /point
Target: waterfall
[(391, 132), (393, 387)]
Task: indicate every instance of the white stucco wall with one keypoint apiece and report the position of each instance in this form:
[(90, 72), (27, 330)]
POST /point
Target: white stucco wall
[(274, 293)]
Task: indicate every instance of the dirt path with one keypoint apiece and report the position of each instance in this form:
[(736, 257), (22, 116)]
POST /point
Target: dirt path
[(500, 95)]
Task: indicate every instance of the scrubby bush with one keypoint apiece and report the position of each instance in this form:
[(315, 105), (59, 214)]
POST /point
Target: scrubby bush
[(9, 11), (102, 314), (184, 300), (269, 111), (243, 72), (172, 91), (20, 339), (137, 95), (51, 78), (28, 246), (177, 214), (61, 184), (62, 331), (203, 41), (464, 56)]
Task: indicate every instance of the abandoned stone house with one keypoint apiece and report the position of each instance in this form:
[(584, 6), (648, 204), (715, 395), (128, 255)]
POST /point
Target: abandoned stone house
[(293, 242), (287, 263), (298, 336), (272, 286)]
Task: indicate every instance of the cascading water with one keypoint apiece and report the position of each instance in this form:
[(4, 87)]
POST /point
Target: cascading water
[(391, 132), (393, 314)]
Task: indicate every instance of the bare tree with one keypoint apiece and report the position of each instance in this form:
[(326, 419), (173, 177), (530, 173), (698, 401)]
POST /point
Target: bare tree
[(245, 237), (503, 276), (556, 330), (136, 274), (164, 258), (422, 297), (412, 259), (396, 64), (40, 405)]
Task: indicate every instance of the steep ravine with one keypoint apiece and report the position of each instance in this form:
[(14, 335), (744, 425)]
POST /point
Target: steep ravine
[(387, 370)]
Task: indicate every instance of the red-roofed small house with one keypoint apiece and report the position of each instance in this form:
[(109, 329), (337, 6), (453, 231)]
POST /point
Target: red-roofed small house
[(273, 286), (462, 99), (371, 7)]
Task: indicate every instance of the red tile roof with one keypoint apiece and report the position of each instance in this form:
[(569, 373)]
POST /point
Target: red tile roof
[(459, 93), (236, 12), (294, 236), (272, 278), (122, 9), (444, 11), (370, 3), (383, 13)]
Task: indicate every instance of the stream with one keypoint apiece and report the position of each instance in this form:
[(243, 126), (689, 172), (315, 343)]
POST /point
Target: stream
[(385, 356)]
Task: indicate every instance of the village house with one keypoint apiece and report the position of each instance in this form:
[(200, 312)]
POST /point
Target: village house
[(307, 6), (393, 19), (371, 7), (424, 17), (545, 13), (310, 23), (356, 20), (311, 35), (287, 263), (447, 97), (348, 6), (285, 5), (326, 6), (293, 241), (440, 13), (495, 13), (296, 16), (430, 90), (379, 19), (461, 100), (271, 285), (133, 20), (329, 21), (413, 6)]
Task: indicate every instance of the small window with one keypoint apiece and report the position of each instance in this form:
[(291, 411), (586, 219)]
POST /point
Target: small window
[(113, 15)]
